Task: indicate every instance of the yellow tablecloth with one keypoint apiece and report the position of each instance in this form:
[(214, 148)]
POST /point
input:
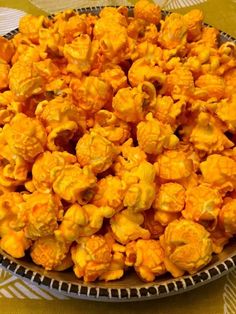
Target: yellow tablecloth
[(217, 297)]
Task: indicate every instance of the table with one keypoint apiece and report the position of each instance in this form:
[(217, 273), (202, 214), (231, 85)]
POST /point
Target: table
[(215, 298)]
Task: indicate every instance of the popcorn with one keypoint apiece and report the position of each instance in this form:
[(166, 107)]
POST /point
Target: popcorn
[(7, 49), (4, 70), (15, 243), (147, 257), (187, 247), (227, 216), (147, 11)]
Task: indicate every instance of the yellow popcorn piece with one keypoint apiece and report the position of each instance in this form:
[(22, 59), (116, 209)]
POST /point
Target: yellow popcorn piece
[(173, 31), (95, 151), (74, 183), (92, 94), (227, 217), (126, 226), (15, 243), (110, 192), (154, 136), (147, 257), (45, 167), (187, 247), (220, 172), (173, 165), (147, 11), (207, 135), (49, 252), (25, 136), (92, 257), (203, 205), (108, 125), (39, 214)]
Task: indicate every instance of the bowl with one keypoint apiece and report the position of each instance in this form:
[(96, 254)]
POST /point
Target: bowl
[(129, 288)]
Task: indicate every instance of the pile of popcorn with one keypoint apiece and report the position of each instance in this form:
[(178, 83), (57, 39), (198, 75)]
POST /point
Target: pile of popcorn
[(117, 142)]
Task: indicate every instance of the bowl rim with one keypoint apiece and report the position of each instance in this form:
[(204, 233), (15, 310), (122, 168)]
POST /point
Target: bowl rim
[(147, 291)]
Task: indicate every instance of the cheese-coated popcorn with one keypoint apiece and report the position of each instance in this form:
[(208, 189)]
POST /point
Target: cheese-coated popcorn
[(154, 227), (15, 243), (92, 94), (24, 81), (74, 183), (9, 208), (219, 238), (173, 165), (126, 226), (173, 33), (220, 172), (147, 257), (131, 104), (4, 70), (211, 85), (153, 136), (170, 198), (7, 49), (226, 111), (115, 76), (194, 20), (227, 217), (95, 151), (187, 247), (71, 27), (49, 252), (30, 25), (203, 205), (144, 70), (25, 136), (9, 106), (80, 221), (147, 11), (92, 257), (208, 136), (108, 125), (110, 192), (39, 214), (43, 170)]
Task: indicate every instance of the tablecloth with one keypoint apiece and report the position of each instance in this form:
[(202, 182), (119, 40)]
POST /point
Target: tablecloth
[(17, 297)]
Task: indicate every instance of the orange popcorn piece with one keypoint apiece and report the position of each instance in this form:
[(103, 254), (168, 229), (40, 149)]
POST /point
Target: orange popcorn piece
[(173, 32), (154, 136), (108, 125), (207, 135), (147, 257), (95, 151), (131, 104), (211, 85), (126, 226), (7, 49), (24, 80), (71, 27), (49, 252), (154, 227), (25, 136), (203, 205), (9, 208), (227, 216), (4, 70), (115, 76), (147, 11), (92, 257), (187, 247), (220, 172), (174, 165), (92, 94), (30, 26), (44, 167), (82, 221), (74, 183), (110, 192), (194, 21), (144, 70), (15, 243), (226, 111), (39, 214), (9, 107)]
